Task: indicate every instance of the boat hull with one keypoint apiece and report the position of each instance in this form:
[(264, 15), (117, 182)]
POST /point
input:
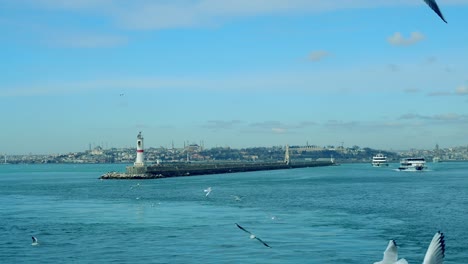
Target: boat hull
[(412, 168), (380, 165), (413, 164)]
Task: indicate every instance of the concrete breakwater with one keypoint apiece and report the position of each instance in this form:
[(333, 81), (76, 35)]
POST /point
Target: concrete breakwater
[(204, 168), (127, 176)]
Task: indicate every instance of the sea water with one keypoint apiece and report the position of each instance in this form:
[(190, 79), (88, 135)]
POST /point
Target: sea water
[(339, 214)]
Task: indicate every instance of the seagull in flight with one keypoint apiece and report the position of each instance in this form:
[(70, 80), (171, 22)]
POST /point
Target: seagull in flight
[(35, 241), (135, 186), (208, 191), (434, 255), (252, 236), (433, 5), (237, 198), (391, 255)]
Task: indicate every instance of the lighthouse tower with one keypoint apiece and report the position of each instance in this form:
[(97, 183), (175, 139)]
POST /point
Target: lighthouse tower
[(140, 153), (286, 155)]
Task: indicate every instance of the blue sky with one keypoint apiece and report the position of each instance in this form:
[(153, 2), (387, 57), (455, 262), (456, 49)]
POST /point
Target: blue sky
[(374, 73)]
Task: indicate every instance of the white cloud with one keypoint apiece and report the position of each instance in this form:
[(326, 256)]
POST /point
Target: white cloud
[(267, 124), (158, 14), (431, 60), (393, 67), (221, 124), (279, 130), (462, 90), (449, 69), (318, 55), (397, 39), (74, 87), (67, 5), (278, 127), (446, 117), (87, 41), (450, 117), (411, 116), (148, 15), (279, 80), (305, 124), (341, 124)]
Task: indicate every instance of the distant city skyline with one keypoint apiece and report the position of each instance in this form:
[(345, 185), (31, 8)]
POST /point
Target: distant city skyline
[(183, 144), (382, 74)]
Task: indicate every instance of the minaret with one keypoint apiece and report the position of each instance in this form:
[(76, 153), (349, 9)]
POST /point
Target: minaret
[(140, 153)]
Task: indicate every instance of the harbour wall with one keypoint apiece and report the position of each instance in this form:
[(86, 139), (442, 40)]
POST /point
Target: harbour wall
[(206, 168)]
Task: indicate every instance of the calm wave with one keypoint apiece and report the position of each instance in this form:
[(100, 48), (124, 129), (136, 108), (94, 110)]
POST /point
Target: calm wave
[(342, 214)]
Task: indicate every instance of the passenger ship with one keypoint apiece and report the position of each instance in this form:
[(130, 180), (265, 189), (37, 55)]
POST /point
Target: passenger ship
[(412, 164), (379, 160)]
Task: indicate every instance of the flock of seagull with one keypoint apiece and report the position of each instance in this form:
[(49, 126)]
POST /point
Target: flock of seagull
[(435, 253)]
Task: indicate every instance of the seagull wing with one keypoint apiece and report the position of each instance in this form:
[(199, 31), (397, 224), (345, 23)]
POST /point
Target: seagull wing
[(34, 239), (266, 245), (433, 5), (245, 230), (436, 252)]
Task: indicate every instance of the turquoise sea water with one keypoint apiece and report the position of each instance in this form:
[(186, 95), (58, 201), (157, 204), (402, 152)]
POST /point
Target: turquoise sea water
[(341, 214)]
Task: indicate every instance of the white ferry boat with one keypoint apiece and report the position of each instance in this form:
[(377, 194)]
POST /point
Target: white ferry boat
[(412, 164), (379, 160)]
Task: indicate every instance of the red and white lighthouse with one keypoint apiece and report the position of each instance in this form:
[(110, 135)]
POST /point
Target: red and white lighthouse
[(140, 152)]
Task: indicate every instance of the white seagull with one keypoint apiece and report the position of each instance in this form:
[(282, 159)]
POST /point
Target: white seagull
[(135, 186), (433, 5), (35, 241), (252, 236), (237, 198), (434, 255), (391, 255), (208, 191)]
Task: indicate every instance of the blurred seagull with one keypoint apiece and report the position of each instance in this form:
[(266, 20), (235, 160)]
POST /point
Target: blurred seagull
[(35, 242), (252, 236), (208, 191), (434, 255), (433, 5), (237, 198), (135, 186), (391, 255)]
